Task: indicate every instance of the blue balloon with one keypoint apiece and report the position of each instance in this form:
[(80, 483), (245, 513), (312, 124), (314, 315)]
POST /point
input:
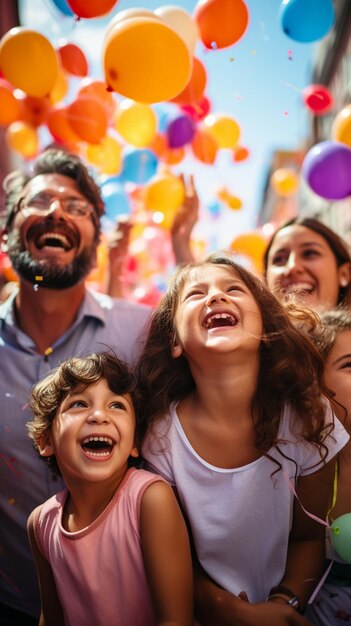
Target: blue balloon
[(139, 165), (115, 199), (63, 6), (306, 20), (327, 170)]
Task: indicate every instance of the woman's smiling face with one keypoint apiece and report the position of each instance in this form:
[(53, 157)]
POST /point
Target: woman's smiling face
[(301, 262)]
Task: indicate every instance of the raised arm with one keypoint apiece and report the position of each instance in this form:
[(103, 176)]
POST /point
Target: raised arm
[(117, 253), (184, 222), (167, 558), (51, 609)]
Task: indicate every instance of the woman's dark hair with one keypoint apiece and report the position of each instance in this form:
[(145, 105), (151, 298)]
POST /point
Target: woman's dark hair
[(53, 161), (291, 368), (336, 244), (48, 394)]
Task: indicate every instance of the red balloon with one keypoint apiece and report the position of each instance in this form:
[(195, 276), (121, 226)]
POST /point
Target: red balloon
[(221, 22), (35, 111), (73, 59), (91, 8), (318, 99), (198, 110)]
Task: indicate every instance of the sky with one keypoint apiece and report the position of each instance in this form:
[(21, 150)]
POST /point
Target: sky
[(258, 81)]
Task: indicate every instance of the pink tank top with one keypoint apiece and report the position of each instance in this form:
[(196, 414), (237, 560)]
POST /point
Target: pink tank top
[(99, 571)]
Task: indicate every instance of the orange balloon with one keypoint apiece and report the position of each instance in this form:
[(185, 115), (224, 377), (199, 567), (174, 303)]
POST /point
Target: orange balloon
[(204, 146), (196, 86), (221, 22), (28, 61), (59, 89), (97, 89), (88, 119), (9, 107), (35, 111), (145, 60), (60, 128), (251, 245), (23, 138), (241, 153), (73, 59), (341, 128)]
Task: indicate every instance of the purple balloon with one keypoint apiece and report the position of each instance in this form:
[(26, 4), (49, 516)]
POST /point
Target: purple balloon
[(180, 131), (327, 170)]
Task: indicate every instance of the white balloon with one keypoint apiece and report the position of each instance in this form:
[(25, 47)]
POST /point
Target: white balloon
[(181, 22)]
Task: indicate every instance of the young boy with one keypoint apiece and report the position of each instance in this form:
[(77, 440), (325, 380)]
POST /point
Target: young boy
[(113, 547)]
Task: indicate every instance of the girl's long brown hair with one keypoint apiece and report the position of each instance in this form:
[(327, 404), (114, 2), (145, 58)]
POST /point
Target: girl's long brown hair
[(291, 368)]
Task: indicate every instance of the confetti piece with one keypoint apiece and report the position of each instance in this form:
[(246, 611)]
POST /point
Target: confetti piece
[(231, 59), (39, 278), (48, 351), (11, 500), (16, 473), (25, 406), (286, 113), (35, 287)]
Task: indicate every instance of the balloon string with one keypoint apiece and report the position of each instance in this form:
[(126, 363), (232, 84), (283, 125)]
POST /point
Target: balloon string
[(316, 95), (320, 521)]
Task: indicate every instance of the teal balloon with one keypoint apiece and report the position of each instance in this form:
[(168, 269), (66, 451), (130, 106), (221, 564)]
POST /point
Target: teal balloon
[(139, 165), (341, 536), (115, 199), (63, 6), (306, 20)]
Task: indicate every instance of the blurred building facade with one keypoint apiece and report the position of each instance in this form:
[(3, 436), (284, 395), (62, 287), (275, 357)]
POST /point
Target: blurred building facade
[(332, 68)]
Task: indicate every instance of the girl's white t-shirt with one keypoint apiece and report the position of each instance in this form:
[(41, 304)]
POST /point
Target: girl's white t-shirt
[(240, 518)]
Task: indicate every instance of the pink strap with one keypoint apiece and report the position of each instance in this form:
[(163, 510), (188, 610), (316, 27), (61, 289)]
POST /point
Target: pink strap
[(320, 521)]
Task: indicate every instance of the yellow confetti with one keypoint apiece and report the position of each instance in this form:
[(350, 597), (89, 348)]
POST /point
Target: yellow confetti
[(48, 351), (38, 278)]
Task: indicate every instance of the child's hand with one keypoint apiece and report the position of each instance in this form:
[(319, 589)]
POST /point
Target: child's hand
[(184, 221)]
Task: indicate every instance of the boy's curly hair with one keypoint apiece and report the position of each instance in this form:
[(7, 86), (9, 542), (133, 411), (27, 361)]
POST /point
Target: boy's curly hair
[(48, 394)]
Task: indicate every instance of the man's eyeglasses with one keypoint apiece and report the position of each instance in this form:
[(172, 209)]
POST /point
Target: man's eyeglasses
[(44, 204)]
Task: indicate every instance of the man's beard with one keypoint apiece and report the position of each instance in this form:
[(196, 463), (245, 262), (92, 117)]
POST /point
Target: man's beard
[(52, 276)]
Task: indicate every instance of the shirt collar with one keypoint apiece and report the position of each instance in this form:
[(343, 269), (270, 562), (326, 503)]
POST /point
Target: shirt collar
[(92, 306)]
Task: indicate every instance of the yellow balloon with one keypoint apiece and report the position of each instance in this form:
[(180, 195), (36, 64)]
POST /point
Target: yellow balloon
[(23, 138), (164, 193), (145, 60), (106, 155), (60, 88), (285, 181), (233, 202), (182, 23), (224, 129), (341, 128), (136, 123), (251, 245), (28, 61)]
